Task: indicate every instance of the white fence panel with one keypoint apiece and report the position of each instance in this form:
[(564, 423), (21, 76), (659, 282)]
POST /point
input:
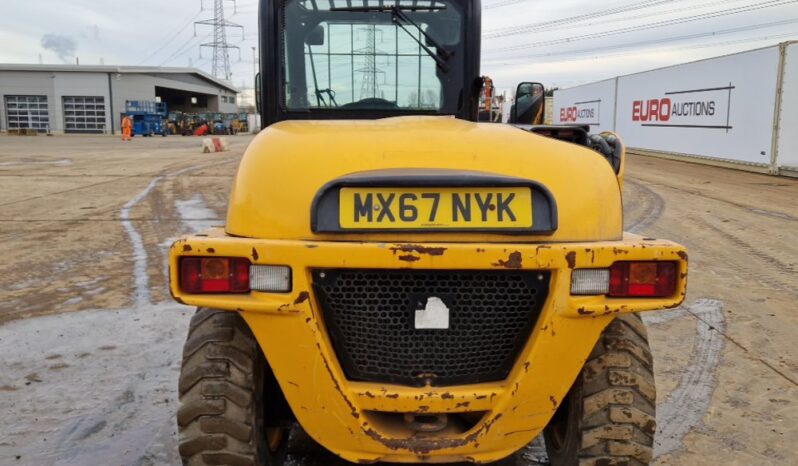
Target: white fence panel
[(788, 123), (590, 104), (720, 108)]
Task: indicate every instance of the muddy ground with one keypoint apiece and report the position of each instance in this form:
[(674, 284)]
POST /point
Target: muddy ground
[(91, 342)]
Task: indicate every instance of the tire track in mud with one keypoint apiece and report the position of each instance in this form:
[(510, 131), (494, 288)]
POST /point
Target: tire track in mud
[(654, 206), (141, 279), (773, 280), (687, 404)]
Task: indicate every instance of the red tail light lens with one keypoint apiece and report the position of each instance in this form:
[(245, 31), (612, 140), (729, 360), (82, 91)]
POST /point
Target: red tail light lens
[(642, 279), (214, 275)]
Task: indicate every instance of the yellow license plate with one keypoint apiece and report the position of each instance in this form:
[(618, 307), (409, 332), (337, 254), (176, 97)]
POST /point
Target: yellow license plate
[(435, 208)]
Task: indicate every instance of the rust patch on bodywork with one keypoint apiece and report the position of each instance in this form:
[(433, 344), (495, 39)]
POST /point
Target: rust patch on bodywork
[(303, 296), (419, 249), (683, 255), (409, 258), (211, 251), (336, 385), (553, 401), (514, 261), (424, 445), (584, 312), (254, 254), (186, 248), (571, 259)]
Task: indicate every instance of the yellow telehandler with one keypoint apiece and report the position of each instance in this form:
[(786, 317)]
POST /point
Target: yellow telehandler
[(405, 283)]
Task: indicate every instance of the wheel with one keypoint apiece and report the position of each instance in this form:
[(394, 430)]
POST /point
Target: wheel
[(607, 417), (232, 410)]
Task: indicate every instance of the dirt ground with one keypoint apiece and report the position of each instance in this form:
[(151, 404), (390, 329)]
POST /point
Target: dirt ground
[(91, 342)]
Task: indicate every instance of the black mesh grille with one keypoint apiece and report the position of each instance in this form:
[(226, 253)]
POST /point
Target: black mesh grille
[(370, 315)]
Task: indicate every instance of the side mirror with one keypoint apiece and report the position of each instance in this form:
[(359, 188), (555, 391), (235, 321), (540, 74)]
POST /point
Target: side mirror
[(530, 104), (315, 36), (258, 96)]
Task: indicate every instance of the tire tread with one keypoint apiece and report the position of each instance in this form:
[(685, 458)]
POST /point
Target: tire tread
[(618, 415), (216, 391)]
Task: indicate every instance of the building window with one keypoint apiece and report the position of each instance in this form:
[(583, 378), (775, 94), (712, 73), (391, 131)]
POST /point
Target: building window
[(27, 112), (84, 114)]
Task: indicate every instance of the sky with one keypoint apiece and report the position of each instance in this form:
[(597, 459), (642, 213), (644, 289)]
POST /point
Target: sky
[(560, 43)]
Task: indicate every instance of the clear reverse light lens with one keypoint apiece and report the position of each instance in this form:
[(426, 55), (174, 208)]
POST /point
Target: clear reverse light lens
[(590, 281), (270, 278)]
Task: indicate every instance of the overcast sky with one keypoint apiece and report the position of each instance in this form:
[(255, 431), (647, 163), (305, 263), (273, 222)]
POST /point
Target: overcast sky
[(558, 42)]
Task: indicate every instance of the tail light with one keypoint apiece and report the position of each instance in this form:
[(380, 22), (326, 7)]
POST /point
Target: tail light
[(214, 275), (642, 279)]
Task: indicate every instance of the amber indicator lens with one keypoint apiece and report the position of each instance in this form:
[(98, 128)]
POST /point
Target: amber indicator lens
[(214, 275), (215, 269), (648, 279)]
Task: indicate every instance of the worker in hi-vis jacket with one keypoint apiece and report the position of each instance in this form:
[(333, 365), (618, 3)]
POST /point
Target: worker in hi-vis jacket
[(127, 128)]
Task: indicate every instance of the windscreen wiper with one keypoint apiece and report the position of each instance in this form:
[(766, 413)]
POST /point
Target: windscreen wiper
[(398, 16)]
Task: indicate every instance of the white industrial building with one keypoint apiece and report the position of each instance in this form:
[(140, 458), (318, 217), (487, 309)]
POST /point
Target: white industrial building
[(91, 99)]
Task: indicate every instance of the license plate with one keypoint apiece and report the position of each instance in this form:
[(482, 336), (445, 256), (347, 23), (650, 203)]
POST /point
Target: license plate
[(435, 208)]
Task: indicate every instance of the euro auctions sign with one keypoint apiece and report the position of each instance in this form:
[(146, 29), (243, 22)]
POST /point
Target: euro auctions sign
[(719, 108), (591, 104), (583, 113), (707, 108)]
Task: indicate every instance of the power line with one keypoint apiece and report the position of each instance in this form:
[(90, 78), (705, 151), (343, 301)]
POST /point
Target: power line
[(680, 48), (604, 22), (650, 42), (642, 27), (500, 4), (173, 37), (183, 49), (547, 25)]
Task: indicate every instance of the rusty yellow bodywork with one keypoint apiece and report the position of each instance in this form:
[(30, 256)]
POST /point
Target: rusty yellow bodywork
[(269, 223)]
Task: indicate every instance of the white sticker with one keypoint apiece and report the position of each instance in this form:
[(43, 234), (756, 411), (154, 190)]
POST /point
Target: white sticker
[(435, 315)]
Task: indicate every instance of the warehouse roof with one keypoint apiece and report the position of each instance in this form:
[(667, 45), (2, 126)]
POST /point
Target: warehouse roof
[(116, 69)]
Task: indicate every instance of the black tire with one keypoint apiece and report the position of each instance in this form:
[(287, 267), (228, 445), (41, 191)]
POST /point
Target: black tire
[(231, 411), (608, 417)]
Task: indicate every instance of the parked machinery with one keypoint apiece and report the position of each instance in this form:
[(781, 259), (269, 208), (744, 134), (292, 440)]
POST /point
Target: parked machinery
[(149, 118)]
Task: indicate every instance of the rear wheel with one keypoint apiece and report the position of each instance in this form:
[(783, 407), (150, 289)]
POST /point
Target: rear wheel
[(608, 416), (232, 410)]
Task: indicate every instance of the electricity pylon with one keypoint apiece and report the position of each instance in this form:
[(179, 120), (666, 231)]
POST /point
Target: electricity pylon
[(370, 87), (221, 56)]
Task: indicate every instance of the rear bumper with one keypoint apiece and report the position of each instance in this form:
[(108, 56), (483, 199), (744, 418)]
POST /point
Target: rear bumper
[(335, 411)]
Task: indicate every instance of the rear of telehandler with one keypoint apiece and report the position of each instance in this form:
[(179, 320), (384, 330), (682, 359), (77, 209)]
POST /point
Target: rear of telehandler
[(406, 284)]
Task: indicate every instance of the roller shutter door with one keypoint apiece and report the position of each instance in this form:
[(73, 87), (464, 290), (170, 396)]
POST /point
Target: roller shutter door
[(27, 112), (84, 114)]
